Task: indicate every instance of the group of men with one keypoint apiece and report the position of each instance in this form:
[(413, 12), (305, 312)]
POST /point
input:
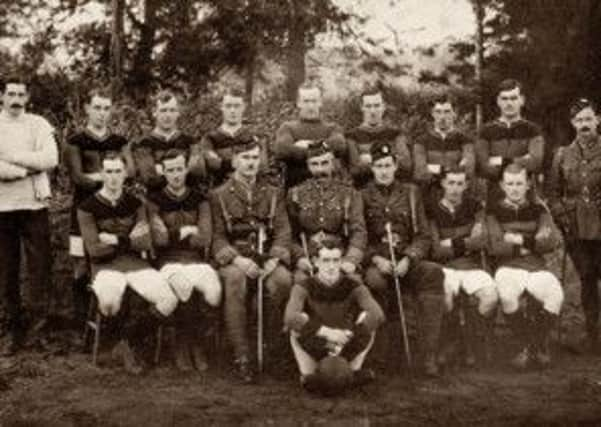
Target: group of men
[(356, 214)]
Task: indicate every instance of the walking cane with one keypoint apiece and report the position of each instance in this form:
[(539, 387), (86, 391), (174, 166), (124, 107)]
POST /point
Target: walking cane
[(564, 261), (397, 287), (260, 240)]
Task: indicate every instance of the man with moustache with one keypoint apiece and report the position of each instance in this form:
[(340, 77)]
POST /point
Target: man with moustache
[(325, 207), (508, 139), (440, 148), (28, 152), (293, 138), (388, 201), (181, 225), (332, 319), (372, 129), (458, 226), (218, 145), (83, 155), (166, 135), (521, 232), (575, 201), (249, 214)]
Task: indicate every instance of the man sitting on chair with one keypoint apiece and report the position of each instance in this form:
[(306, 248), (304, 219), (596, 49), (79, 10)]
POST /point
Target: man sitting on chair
[(521, 231), (181, 227), (332, 319), (115, 232), (458, 227)]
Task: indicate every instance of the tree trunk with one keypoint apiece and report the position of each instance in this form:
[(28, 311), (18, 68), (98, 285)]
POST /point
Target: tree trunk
[(479, 12), (249, 77), (297, 48), (142, 65), (118, 10)]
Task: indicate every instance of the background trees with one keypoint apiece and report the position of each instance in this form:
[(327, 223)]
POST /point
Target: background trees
[(138, 45)]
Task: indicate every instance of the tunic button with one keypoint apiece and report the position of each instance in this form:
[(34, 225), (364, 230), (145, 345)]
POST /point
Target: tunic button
[(321, 219)]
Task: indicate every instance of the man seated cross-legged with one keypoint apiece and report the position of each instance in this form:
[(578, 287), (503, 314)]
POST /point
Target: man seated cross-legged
[(332, 319)]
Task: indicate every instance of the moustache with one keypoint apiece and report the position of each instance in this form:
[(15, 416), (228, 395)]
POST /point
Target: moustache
[(585, 129), (16, 105)]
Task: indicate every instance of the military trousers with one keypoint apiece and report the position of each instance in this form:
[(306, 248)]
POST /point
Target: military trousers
[(586, 255), (424, 281), (235, 285)]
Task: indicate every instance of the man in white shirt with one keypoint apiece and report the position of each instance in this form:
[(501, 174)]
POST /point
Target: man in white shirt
[(27, 152)]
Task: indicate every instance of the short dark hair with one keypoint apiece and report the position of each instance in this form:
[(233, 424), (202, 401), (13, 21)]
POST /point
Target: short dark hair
[(452, 170), (444, 98), (234, 91), (327, 243), (581, 104), (100, 92), (113, 155), (163, 96), (310, 85), (514, 168), (371, 90), (509, 84), (13, 78), (174, 153)]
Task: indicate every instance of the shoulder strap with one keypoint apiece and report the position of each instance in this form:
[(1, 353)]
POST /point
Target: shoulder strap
[(272, 207), (347, 206), (413, 208), (226, 215)]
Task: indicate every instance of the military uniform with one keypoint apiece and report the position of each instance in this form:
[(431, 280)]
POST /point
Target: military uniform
[(183, 264), (401, 205), (465, 226), (323, 208), (239, 212), (223, 144), (575, 201), (83, 155), (148, 152), (521, 268), (294, 158), (360, 140), (499, 144)]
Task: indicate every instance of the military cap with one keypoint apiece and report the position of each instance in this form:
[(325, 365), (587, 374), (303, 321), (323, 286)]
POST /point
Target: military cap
[(245, 144), (318, 148), (581, 104), (381, 149)]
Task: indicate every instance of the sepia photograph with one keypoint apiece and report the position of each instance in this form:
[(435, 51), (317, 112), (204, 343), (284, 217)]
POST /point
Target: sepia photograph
[(300, 213)]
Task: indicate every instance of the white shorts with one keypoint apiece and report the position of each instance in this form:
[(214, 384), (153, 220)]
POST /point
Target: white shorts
[(184, 278), (109, 287), (542, 285)]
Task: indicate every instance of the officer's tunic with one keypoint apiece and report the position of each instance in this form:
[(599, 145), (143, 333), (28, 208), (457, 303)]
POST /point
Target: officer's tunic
[(327, 208), (360, 140), (295, 158), (239, 211)]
